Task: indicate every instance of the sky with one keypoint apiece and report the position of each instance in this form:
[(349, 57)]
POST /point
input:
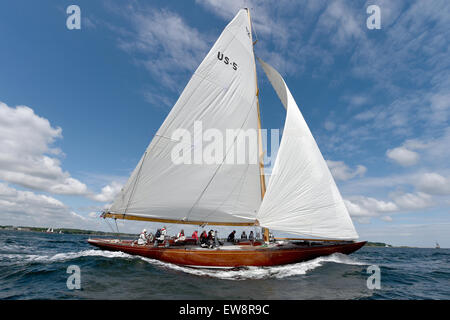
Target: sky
[(79, 107)]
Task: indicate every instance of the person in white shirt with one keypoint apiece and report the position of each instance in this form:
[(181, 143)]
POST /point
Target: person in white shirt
[(143, 237), (180, 236), (163, 234)]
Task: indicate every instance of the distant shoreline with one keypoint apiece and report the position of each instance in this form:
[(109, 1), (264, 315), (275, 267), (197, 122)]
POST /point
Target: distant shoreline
[(102, 233), (65, 231)]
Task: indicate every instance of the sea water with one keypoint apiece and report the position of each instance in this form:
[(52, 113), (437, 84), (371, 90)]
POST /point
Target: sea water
[(35, 265)]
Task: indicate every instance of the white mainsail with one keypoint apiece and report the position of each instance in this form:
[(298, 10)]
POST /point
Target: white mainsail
[(222, 94), (302, 197)]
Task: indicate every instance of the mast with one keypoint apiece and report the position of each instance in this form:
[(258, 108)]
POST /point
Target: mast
[(260, 146)]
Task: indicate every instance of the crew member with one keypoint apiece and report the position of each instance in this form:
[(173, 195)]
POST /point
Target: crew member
[(231, 236), (180, 236), (143, 237)]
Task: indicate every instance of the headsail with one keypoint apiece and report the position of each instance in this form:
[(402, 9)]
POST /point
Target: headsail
[(222, 95), (302, 197)]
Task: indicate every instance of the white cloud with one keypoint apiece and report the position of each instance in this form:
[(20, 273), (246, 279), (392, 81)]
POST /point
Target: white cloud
[(108, 192), (367, 207), (342, 22), (27, 157), (341, 171), (433, 183), (360, 206), (411, 201), (27, 208), (403, 156), (164, 43)]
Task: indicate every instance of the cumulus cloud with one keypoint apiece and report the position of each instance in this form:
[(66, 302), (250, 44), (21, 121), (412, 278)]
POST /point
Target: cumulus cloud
[(28, 208), (27, 155), (411, 201), (29, 159), (341, 171), (433, 183), (403, 156), (108, 192), (362, 207)]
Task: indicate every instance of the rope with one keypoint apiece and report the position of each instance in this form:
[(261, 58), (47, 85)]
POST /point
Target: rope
[(254, 29)]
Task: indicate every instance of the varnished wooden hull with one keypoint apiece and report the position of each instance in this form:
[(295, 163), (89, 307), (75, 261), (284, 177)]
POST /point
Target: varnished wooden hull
[(226, 258)]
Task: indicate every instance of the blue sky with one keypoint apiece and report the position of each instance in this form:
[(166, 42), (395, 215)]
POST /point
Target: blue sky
[(78, 107)]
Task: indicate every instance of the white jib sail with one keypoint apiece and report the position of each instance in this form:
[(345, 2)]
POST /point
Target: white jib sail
[(222, 95), (302, 197)]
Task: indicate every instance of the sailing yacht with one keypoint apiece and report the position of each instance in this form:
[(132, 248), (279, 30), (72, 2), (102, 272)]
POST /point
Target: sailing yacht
[(301, 197)]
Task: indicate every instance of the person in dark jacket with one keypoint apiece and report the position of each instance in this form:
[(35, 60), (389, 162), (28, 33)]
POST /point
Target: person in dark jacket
[(203, 239), (211, 238), (243, 236), (231, 236)]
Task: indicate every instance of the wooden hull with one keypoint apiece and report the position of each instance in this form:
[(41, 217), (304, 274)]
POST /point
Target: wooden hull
[(228, 256)]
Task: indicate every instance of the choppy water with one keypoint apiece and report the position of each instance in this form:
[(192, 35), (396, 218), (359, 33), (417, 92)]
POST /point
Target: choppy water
[(34, 266)]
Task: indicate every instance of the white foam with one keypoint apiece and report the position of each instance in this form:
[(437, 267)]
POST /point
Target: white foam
[(65, 256), (278, 272)]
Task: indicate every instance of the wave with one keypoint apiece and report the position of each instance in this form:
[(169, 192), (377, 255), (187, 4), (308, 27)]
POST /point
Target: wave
[(14, 248), (243, 273), (59, 257), (255, 273)]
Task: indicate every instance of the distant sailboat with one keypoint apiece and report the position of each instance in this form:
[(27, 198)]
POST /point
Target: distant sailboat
[(301, 197), (437, 245), (49, 230)]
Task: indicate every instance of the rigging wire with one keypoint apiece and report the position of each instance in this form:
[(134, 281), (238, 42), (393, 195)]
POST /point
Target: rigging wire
[(254, 30), (110, 227), (117, 227)]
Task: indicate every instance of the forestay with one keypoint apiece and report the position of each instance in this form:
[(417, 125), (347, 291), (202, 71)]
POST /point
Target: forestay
[(302, 197), (222, 95)]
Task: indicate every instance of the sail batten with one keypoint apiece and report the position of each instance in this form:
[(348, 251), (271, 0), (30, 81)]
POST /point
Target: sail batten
[(302, 197)]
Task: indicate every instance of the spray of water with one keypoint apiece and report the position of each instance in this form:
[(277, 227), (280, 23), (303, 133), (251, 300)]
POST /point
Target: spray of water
[(277, 272)]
